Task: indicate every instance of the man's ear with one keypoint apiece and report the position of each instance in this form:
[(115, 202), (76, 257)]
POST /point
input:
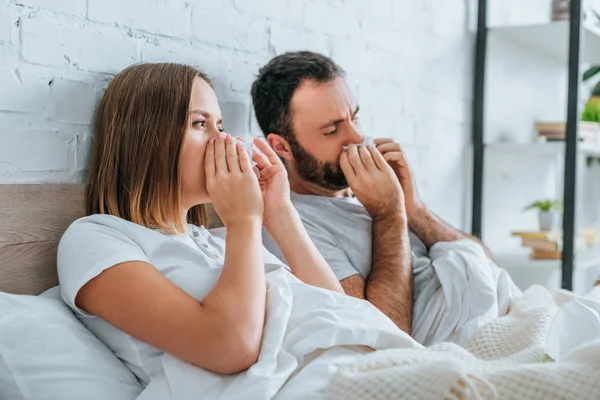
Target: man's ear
[(280, 146)]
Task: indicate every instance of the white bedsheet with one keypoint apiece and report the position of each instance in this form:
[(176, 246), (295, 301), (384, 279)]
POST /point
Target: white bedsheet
[(310, 330), (468, 292)]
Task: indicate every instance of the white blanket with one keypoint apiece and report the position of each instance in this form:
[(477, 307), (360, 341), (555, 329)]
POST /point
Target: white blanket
[(467, 292), (310, 330), (507, 359)]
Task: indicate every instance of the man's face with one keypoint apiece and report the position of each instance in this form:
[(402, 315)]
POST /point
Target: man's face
[(324, 120)]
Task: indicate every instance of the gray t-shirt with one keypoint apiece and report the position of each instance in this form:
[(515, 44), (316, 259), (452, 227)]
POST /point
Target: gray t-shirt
[(341, 228)]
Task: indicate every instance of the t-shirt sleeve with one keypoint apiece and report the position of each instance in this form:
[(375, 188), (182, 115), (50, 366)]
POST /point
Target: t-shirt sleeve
[(89, 247), (336, 257)]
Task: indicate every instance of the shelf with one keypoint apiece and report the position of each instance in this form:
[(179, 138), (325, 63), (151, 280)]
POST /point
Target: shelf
[(552, 40), (548, 148), (526, 272)]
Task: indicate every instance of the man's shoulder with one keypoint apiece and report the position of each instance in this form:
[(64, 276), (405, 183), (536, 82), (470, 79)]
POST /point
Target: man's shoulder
[(331, 214)]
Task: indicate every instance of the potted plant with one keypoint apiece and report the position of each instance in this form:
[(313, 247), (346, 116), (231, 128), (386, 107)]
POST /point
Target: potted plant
[(549, 212)]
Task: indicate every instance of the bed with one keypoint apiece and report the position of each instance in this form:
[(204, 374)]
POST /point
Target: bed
[(40, 337), (32, 220)]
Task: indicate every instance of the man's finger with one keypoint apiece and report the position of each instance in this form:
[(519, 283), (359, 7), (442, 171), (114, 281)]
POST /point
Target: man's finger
[(347, 168), (397, 157), (382, 141), (378, 158), (387, 147), (367, 159), (354, 159)]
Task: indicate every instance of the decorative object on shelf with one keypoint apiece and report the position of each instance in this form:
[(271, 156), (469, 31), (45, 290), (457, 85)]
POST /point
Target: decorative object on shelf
[(561, 10), (591, 112), (588, 131), (549, 212), (548, 245)]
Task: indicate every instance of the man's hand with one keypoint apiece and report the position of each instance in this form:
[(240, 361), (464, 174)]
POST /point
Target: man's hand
[(372, 180), (389, 286), (421, 220), (393, 154)]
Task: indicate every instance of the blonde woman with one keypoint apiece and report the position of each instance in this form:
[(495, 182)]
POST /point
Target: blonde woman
[(131, 269)]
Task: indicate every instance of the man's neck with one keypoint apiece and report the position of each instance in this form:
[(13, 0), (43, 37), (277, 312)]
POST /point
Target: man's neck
[(302, 186)]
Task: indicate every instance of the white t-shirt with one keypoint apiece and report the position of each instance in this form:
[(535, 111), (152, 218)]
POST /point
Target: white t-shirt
[(95, 243)]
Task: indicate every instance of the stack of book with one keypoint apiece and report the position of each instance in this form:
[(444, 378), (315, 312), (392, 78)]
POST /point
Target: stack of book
[(548, 245), (588, 131)]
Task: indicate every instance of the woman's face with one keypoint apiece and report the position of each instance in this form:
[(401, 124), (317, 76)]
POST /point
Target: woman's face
[(204, 122)]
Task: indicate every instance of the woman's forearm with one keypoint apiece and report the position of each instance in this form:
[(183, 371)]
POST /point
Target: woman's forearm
[(305, 261), (239, 296)]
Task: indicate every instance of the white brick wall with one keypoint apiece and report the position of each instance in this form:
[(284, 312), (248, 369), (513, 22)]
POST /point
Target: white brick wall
[(409, 63)]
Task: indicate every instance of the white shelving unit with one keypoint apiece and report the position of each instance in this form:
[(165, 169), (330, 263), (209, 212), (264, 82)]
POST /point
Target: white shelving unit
[(552, 40), (546, 44), (526, 272), (547, 148)]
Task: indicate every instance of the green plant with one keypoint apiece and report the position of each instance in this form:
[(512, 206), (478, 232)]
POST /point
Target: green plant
[(591, 112), (546, 205)]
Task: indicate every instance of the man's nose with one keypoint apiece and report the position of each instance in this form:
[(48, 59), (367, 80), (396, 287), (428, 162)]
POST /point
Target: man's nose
[(354, 136)]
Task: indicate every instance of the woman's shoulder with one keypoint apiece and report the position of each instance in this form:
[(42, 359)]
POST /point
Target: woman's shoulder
[(96, 222), (108, 228)]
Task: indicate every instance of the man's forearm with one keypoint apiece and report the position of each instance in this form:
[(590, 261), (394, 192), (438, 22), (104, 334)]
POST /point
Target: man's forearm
[(389, 286), (432, 229)]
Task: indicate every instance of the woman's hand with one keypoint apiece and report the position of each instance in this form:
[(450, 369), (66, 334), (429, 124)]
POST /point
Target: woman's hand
[(273, 182), (231, 183)]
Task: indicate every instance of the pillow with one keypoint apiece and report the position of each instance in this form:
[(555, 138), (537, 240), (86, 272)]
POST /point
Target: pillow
[(52, 293), (46, 353)]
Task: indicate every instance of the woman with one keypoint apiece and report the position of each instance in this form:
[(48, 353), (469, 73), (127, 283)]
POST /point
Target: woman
[(135, 269)]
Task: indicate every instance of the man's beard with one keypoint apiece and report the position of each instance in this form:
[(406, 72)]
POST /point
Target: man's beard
[(325, 174)]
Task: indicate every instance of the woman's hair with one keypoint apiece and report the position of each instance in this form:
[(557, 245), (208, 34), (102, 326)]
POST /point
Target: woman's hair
[(139, 132)]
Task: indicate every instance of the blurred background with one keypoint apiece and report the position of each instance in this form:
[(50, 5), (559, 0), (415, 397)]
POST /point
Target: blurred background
[(410, 63)]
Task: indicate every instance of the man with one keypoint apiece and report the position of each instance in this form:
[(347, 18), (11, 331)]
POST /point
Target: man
[(359, 204)]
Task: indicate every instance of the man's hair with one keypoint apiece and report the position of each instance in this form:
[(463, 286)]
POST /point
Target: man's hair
[(273, 89), (139, 132)]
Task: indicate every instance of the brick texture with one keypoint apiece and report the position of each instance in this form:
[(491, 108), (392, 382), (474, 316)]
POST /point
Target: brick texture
[(408, 62)]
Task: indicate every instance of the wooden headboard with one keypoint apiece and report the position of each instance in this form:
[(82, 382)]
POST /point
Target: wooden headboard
[(32, 221)]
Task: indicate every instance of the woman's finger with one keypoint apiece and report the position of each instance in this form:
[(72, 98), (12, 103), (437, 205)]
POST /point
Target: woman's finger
[(267, 151), (232, 155), (260, 159), (220, 158), (243, 158), (209, 158)]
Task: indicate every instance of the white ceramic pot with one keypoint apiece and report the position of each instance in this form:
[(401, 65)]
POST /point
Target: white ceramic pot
[(548, 220)]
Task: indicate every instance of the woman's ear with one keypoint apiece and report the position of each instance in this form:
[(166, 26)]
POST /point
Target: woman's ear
[(280, 146)]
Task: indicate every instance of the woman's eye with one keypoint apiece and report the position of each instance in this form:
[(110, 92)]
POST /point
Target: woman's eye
[(200, 123), (221, 129), (330, 133)]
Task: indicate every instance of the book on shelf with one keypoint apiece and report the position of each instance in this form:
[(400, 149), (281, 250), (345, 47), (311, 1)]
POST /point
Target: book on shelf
[(545, 255), (549, 245), (553, 131)]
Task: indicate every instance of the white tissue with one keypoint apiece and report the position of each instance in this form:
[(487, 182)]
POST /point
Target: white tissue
[(575, 324), (250, 149), (367, 141)]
